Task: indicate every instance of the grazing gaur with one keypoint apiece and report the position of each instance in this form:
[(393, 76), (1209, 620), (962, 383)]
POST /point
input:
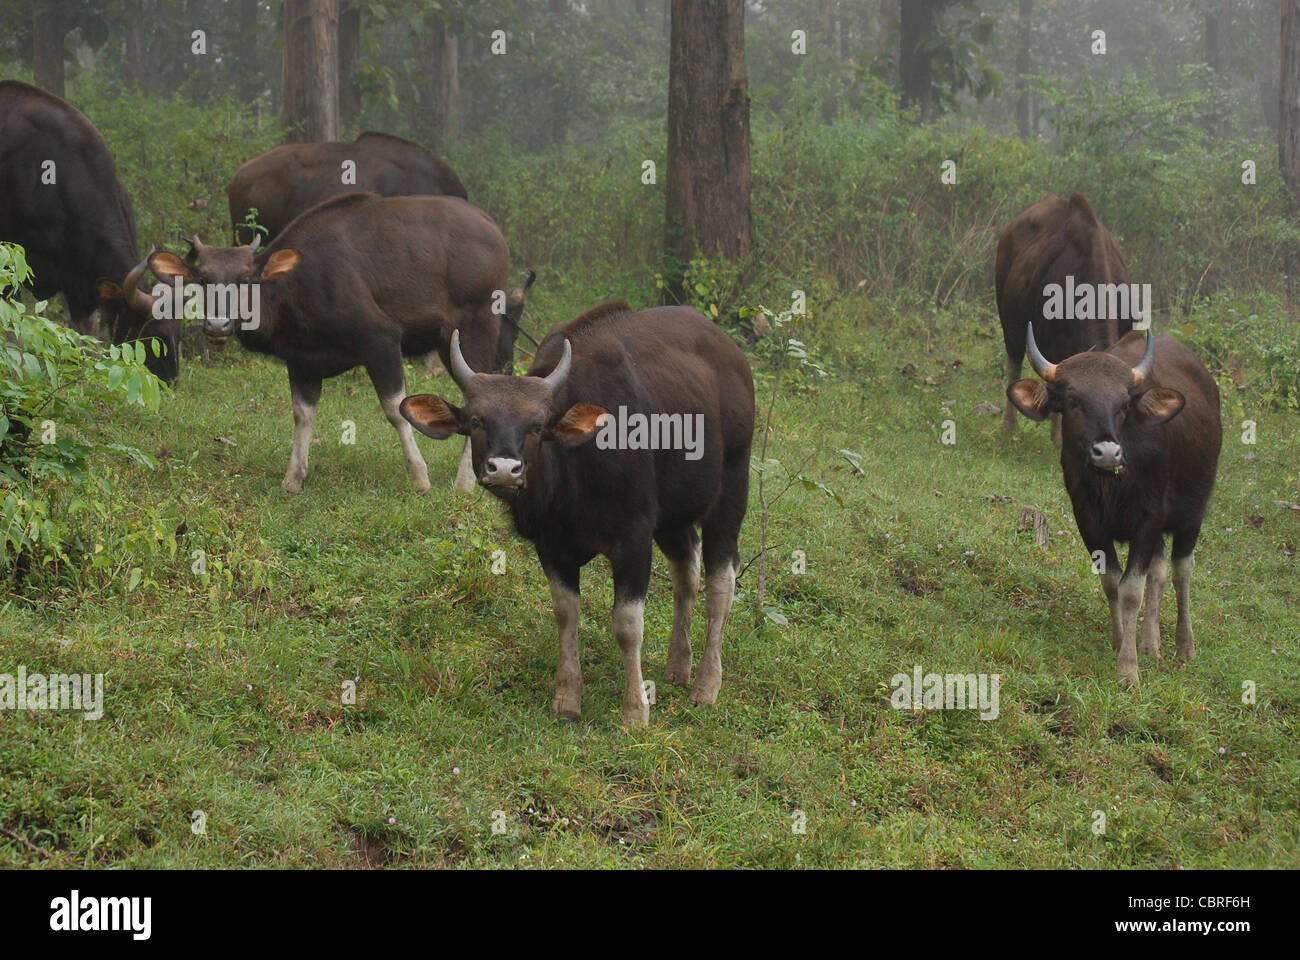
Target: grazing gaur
[(362, 280), (61, 200), (1140, 446), (289, 179), (575, 497), (1051, 241)]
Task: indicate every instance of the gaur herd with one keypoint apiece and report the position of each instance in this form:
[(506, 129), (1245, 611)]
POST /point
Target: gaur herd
[(371, 252)]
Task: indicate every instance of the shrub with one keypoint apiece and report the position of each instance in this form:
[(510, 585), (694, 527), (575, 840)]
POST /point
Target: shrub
[(50, 379)]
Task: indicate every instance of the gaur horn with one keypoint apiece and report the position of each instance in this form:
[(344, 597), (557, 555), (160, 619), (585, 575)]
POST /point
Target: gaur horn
[(555, 379), (1036, 359), (137, 299), (1143, 369), (460, 370), (257, 242)]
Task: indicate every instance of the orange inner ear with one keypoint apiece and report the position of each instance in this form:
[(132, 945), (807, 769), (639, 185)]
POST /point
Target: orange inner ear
[(1030, 398), (1160, 403), (168, 265), (579, 423), (108, 290), (431, 415), (280, 263)]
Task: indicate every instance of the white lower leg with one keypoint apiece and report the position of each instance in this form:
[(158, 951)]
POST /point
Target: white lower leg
[(568, 673), (1183, 567), (1157, 576), (629, 626), (686, 586), (416, 468), (465, 472), (304, 415), (1123, 615), (719, 590)]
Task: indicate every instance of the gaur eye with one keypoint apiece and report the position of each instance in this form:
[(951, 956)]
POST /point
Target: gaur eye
[(475, 423)]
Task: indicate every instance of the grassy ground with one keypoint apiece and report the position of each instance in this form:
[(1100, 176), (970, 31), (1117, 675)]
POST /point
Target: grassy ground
[(223, 690)]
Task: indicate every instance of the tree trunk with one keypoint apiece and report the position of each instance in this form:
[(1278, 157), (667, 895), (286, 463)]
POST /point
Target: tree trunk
[(48, 31), (1024, 32), (1218, 35), (250, 67), (1270, 19), (915, 73), (447, 49), (708, 137), (1288, 139), (309, 99), (349, 61)]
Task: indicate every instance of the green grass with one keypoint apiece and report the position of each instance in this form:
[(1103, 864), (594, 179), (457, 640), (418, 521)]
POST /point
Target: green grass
[(359, 576)]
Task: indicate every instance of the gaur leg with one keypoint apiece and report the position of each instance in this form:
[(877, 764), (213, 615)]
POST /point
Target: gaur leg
[(389, 378), (1009, 414), (1184, 562), (1124, 610), (1157, 575), (465, 471), (682, 548), (721, 562), (562, 578), (305, 390), (630, 561)]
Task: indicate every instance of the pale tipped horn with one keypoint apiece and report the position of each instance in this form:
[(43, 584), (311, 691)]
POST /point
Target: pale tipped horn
[(257, 242), (135, 298), (1036, 359), (555, 379), (460, 370), (1143, 368)]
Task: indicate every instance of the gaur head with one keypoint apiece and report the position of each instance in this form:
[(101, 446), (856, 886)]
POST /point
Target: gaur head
[(507, 419), (127, 313), (222, 272), (1098, 396)]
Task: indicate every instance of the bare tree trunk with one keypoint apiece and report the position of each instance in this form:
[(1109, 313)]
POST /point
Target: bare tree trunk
[(349, 60), (708, 136), (1218, 35), (48, 31), (1024, 33), (447, 48), (915, 71), (309, 100), (1270, 20)]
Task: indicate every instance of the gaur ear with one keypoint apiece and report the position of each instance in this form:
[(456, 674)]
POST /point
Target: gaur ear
[(1159, 404), (167, 266), (432, 416), (578, 425), (108, 290), (280, 263), (1031, 397)]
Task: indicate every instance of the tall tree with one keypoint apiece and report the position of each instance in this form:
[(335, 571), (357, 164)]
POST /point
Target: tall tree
[(250, 73), (49, 27), (447, 49), (915, 68), (1024, 36), (349, 62), (1288, 136), (1218, 34), (708, 136), (309, 105), (1270, 19)]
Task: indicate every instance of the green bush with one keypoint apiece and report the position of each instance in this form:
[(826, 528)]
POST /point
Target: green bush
[(52, 379)]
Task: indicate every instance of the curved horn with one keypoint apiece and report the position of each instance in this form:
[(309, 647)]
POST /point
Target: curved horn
[(460, 370), (257, 242), (197, 244), (555, 379), (137, 299), (1036, 359), (1143, 368)]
